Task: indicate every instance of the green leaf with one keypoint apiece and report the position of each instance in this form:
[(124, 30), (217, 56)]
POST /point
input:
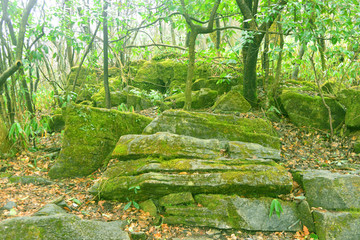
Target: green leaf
[(136, 204), (127, 206)]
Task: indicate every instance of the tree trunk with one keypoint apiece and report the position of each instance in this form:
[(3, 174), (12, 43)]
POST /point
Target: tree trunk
[(276, 83), (295, 73), (106, 59), (249, 79), (191, 67)]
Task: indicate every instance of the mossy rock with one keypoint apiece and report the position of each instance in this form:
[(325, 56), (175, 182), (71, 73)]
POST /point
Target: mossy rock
[(337, 225), (183, 198), (222, 127), (57, 123), (86, 75), (90, 136), (157, 178), (234, 212), (300, 86), (357, 147), (60, 226), (155, 75), (212, 84), (233, 101), (4, 141), (305, 110), (116, 98), (138, 102), (350, 98), (201, 99)]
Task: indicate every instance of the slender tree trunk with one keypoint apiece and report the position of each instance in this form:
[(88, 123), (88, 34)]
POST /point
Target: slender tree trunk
[(276, 83), (321, 43), (191, 67), (26, 92), (172, 27), (295, 73), (265, 62), (249, 80), (69, 50), (106, 59)]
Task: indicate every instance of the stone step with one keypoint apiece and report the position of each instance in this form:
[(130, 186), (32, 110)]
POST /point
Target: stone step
[(157, 178), (217, 126)]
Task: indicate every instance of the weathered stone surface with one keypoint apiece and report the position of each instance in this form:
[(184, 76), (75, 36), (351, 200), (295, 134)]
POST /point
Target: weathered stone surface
[(233, 101), (60, 226), (350, 98), (159, 177), (184, 198), (252, 150), (222, 127), (167, 145), (86, 84), (157, 75), (203, 98), (304, 110), (337, 225), (90, 136), (50, 209), (30, 179), (332, 190), (225, 212)]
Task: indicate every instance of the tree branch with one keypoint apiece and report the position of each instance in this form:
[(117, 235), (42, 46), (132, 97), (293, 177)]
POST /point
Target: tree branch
[(10, 71)]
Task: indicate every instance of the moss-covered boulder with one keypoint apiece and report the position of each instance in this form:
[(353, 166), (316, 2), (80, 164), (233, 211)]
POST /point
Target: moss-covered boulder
[(234, 212), (213, 84), (305, 110), (90, 136), (86, 85), (157, 75), (169, 145), (233, 101), (165, 163), (337, 225), (350, 98), (4, 142), (222, 127), (116, 98), (60, 226), (203, 98), (332, 190)]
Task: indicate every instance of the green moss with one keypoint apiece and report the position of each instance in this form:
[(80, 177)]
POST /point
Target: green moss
[(304, 110), (203, 98), (4, 142), (232, 101), (90, 136)]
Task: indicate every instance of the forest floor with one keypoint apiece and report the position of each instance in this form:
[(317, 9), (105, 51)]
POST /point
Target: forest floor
[(302, 148)]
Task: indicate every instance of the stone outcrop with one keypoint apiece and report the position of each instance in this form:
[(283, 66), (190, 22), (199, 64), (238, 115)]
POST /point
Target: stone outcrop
[(332, 190), (232, 101), (226, 212), (305, 110), (209, 126), (60, 226), (165, 163), (90, 136), (350, 98)]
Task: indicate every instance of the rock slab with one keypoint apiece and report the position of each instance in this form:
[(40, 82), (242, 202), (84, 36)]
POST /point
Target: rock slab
[(60, 226), (332, 190), (215, 126), (90, 136)]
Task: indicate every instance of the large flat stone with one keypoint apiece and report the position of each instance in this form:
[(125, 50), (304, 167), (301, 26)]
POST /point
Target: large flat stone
[(332, 190), (209, 126), (159, 177), (227, 212), (90, 136), (337, 225), (60, 226), (169, 145)]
